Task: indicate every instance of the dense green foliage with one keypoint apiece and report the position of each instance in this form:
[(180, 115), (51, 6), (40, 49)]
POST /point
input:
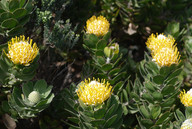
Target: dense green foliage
[(145, 95)]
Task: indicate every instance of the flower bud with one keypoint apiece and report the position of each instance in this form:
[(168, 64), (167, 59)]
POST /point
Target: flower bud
[(112, 50), (34, 97), (107, 51)]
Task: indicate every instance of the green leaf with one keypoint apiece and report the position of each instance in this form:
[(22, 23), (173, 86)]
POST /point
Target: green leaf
[(5, 16), (114, 71), (155, 112), (110, 111), (148, 97), (147, 123), (172, 81), (99, 113), (175, 73), (163, 118), (14, 4), (180, 115), (90, 40), (135, 96), (118, 86), (3, 66), (173, 28), (100, 60), (107, 67), (107, 36), (144, 112), (158, 79), (73, 119), (9, 23), (27, 88), (16, 30), (97, 122), (156, 127), (101, 44), (18, 13), (16, 96), (29, 6), (188, 112), (164, 70), (5, 106), (110, 121), (2, 46), (24, 20), (149, 86), (30, 68), (168, 102), (99, 53), (21, 3), (40, 86), (47, 91), (157, 96), (167, 90), (118, 77)]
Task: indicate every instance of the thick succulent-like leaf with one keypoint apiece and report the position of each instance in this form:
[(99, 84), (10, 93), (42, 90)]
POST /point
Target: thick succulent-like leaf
[(27, 88), (5, 16), (101, 44), (155, 111), (144, 112), (13, 5), (163, 118), (9, 23), (18, 13), (40, 86)]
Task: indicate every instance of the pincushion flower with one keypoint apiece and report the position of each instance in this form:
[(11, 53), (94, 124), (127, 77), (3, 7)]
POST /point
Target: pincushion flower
[(166, 56), (97, 25), (21, 51), (187, 124), (155, 42), (94, 92), (186, 98)]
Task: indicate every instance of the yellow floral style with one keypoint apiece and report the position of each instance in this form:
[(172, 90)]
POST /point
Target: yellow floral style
[(186, 98), (156, 42), (187, 124), (166, 56), (97, 25), (94, 92), (21, 51)]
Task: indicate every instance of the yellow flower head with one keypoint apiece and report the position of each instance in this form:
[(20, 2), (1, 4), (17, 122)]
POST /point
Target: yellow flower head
[(186, 98), (155, 42), (94, 92), (21, 50), (166, 56), (187, 124), (97, 25)]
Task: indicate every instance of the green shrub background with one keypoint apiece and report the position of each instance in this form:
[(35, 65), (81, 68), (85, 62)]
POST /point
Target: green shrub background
[(58, 28)]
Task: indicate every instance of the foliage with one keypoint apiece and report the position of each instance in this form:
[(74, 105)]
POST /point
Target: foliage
[(12, 74), (20, 103), (155, 97), (106, 115), (142, 90), (14, 15), (56, 31)]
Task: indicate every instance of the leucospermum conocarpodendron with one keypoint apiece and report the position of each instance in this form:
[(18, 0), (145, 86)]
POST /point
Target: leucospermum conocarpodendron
[(186, 98), (21, 51), (97, 25), (94, 92), (164, 52), (166, 56), (187, 124), (154, 42)]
